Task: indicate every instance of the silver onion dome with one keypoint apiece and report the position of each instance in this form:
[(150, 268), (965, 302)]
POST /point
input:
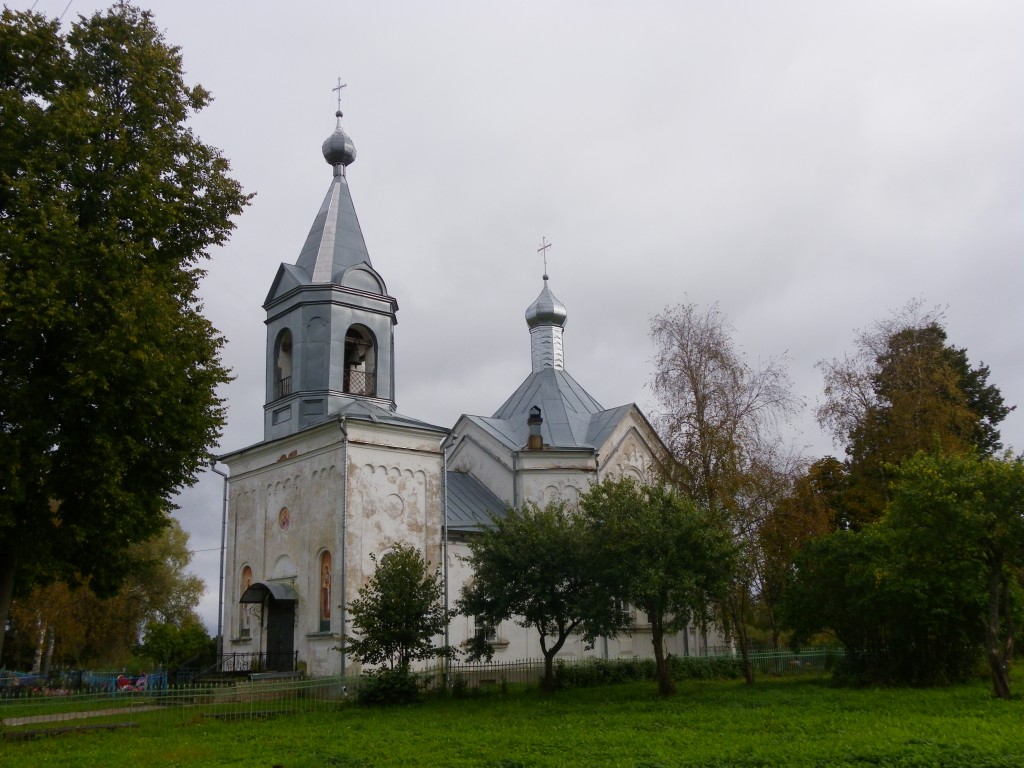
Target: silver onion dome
[(546, 310), (338, 148)]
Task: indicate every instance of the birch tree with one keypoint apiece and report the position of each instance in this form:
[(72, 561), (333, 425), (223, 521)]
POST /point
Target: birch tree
[(719, 415)]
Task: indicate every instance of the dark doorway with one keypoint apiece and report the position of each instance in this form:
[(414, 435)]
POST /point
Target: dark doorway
[(280, 635), (278, 601)]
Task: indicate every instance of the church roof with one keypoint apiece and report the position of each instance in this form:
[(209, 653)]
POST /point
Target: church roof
[(549, 385), (565, 406), (335, 241), (572, 418), (471, 504), (365, 410)]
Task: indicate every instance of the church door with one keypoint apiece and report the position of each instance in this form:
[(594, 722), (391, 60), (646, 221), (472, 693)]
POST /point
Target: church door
[(280, 635)]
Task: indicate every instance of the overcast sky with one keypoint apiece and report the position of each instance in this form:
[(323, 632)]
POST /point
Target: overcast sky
[(808, 166)]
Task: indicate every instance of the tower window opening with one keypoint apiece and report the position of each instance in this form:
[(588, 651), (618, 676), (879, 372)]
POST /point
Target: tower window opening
[(283, 364), (360, 362)]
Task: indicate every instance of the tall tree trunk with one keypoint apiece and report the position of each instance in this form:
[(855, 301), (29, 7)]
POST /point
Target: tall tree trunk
[(993, 647), (1011, 628), (548, 685), (666, 685), (51, 639), (740, 628), (37, 657), (8, 567)]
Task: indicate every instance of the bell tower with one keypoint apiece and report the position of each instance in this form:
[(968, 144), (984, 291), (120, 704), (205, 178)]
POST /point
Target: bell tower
[(330, 321)]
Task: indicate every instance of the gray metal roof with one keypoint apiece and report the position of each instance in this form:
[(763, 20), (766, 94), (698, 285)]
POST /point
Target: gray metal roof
[(335, 241), (471, 504), (572, 418), (364, 410), (602, 424), (565, 406), (548, 384)]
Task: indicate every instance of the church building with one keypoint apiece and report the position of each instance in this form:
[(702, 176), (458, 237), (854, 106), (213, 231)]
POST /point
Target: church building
[(341, 475)]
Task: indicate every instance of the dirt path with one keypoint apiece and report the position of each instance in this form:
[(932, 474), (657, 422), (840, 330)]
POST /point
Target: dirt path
[(57, 718)]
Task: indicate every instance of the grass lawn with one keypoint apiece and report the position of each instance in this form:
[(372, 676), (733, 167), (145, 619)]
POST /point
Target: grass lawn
[(799, 722)]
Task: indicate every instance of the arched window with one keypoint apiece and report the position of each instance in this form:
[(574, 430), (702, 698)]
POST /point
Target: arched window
[(283, 364), (325, 591), (243, 608), (360, 362)]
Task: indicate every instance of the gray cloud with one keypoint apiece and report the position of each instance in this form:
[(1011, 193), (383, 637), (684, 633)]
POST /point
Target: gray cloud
[(810, 166)]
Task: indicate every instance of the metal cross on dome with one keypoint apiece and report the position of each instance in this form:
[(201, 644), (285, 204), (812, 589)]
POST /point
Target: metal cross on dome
[(543, 250), (338, 88)]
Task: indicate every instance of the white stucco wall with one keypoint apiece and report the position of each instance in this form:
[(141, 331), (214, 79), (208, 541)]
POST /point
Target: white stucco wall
[(352, 493)]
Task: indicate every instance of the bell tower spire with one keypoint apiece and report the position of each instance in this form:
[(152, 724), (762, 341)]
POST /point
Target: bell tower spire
[(330, 321)]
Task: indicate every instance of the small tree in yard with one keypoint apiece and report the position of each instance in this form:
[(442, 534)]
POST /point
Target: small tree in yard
[(535, 565), (398, 615), (661, 553)]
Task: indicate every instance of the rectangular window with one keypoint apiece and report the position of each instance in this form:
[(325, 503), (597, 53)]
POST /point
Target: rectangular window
[(484, 630)]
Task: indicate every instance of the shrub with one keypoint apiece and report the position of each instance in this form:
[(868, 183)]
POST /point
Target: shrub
[(705, 667), (388, 686), (611, 671)]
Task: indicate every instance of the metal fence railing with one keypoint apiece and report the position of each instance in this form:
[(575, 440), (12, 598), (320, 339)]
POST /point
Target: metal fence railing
[(30, 705), (32, 711), (772, 663)]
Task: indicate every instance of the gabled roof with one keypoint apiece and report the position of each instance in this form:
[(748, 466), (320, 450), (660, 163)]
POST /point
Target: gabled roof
[(602, 424), (471, 504)]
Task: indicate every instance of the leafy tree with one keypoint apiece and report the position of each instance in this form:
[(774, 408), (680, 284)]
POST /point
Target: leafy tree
[(917, 596), (399, 612), (168, 644), (68, 624), (899, 622), (716, 412), (848, 584), (108, 206), (535, 564), (660, 552), (719, 417), (958, 525), (904, 390), (798, 510)]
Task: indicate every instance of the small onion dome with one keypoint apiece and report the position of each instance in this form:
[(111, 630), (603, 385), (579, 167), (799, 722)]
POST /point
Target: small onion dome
[(338, 148), (546, 310)]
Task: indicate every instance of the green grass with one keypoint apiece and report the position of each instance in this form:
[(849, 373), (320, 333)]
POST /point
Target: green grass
[(801, 722)]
